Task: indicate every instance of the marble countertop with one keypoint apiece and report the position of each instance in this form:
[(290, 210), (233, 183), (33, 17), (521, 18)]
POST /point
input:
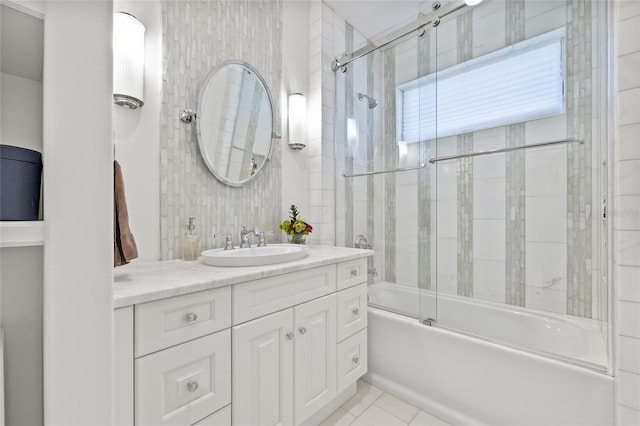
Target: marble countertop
[(140, 282)]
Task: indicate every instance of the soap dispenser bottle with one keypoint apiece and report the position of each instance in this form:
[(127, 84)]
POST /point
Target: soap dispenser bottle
[(191, 244)]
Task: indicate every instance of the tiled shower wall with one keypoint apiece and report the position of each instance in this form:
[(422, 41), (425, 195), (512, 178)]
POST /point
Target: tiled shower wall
[(197, 36), (626, 215), (521, 228)]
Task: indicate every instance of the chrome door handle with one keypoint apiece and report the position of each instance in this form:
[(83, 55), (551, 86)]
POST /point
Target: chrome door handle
[(191, 317), (355, 360), (302, 330), (354, 272), (355, 311), (192, 385), (290, 335)]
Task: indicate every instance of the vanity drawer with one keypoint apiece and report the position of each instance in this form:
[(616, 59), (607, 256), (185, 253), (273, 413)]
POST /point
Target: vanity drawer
[(168, 322), (352, 273), (257, 298), (352, 359), (352, 311), (186, 383), (219, 418)]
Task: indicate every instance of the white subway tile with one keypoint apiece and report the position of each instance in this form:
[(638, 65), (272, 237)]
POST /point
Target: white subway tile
[(628, 9), (629, 105), (628, 385), (628, 248), (447, 220), (629, 354), (628, 145), (488, 167), (628, 278), (489, 239), (626, 214), (487, 36), (489, 280), (546, 265), (628, 177), (546, 219), (545, 21), (629, 71), (546, 172), (546, 299), (627, 416), (629, 319), (546, 129), (629, 35)]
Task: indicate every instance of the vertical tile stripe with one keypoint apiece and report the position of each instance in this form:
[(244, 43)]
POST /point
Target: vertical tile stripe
[(424, 180), (515, 245), (579, 157), (371, 235), (515, 217), (465, 173), (348, 101), (390, 153)]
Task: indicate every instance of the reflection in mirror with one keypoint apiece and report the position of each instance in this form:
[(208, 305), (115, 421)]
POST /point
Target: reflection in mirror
[(235, 122)]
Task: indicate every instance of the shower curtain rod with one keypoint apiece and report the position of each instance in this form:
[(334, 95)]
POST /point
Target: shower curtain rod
[(511, 148), (439, 11)]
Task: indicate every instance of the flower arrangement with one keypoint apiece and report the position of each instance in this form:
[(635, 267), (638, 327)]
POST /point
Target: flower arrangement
[(295, 226)]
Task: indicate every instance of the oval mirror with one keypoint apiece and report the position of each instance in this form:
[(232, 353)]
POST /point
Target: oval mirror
[(235, 122)]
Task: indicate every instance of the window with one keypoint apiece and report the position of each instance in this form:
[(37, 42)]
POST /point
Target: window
[(522, 82)]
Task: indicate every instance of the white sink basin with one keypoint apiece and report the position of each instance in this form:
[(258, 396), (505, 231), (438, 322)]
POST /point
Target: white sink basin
[(255, 256)]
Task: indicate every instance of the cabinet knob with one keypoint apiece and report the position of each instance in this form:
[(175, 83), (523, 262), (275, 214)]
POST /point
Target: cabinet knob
[(354, 272), (191, 317), (302, 330), (355, 360), (355, 311), (192, 385), (290, 335)]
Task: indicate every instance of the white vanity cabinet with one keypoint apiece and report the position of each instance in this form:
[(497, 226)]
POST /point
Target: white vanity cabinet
[(282, 350), (291, 352)]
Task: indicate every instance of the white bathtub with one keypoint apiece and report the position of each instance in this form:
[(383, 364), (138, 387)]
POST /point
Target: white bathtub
[(466, 380)]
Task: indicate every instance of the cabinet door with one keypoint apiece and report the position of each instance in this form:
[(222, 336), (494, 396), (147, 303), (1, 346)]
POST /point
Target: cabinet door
[(263, 371), (185, 383), (315, 356)]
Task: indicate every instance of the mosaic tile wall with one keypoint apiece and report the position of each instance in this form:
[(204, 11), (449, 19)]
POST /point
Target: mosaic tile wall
[(464, 52), (198, 35), (515, 215), (579, 158), (512, 228)]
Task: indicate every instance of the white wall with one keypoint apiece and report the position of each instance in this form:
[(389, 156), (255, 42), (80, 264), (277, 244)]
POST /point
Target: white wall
[(21, 267), (78, 253), (295, 79), (21, 120), (137, 139), (626, 214), (21, 319)]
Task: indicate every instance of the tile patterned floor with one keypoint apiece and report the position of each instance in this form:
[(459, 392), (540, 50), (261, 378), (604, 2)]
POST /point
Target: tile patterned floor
[(370, 406)]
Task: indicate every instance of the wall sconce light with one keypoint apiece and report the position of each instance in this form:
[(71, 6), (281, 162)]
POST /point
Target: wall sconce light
[(297, 121), (128, 61)]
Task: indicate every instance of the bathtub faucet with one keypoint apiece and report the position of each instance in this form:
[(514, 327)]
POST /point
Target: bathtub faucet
[(362, 243)]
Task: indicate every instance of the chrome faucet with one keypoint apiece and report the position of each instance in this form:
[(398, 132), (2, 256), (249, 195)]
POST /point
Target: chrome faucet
[(362, 243), (244, 236), (260, 235), (228, 240)]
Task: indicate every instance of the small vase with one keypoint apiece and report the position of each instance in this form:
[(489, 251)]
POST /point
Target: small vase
[(298, 239)]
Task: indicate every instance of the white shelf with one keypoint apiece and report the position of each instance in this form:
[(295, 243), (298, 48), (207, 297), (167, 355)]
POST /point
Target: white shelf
[(21, 234)]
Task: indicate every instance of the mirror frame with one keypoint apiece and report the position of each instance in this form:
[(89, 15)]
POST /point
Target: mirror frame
[(201, 144)]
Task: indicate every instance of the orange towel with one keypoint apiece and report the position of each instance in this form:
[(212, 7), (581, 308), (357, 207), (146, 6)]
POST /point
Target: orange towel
[(124, 245)]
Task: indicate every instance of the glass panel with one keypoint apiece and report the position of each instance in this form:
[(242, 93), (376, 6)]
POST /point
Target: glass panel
[(519, 234), (507, 247)]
